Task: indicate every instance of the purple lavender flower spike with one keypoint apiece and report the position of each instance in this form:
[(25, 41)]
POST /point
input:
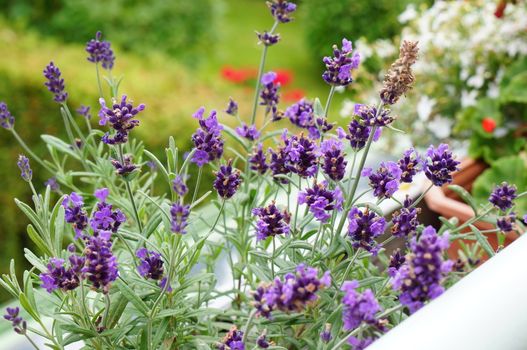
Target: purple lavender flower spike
[(359, 307), (179, 186), (370, 116), (84, 111), (360, 344), (405, 220), (122, 118), (502, 196), (25, 170), (281, 10), (385, 181), (278, 164), (233, 340), (320, 127), (300, 155), (7, 121), (58, 276), (301, 113), (101, 265), (419, 278), (207, 138), (506, 223), (269, 95), (104, 218), (55, 83), (410, 164), (321, 200), (179, 214), (267, 38), (18, 323), (124, 168), (74, 213), (262, 341), (339, 67), (358, 134), (150, 264), (364, 227), (271, 221), (232, 107), (227, 180), (397, 259), (440, 164), (100, 51), (249, 132), (334, 165), (292, 294), (258, 160)]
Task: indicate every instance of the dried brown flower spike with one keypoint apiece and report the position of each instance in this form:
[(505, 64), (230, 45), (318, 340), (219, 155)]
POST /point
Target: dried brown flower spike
[(399, 78)]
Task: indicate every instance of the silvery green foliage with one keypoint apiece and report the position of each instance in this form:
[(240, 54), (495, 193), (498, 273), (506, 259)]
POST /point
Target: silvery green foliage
[(134, 259)]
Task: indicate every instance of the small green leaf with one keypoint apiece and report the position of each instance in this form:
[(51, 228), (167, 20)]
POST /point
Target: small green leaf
[(132, 297), (465, 196), (482, 240)]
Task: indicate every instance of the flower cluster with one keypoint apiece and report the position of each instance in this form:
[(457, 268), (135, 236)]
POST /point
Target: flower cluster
[(227, 181), (384, 182), (75, 213), (258, 160), (207, 139), (232, 107), (364, 227), (297, 155), (359, 307), (84, 111), (150, 265), (405, 220), (269, 95), (502, 196), (179, 214), (301, 113), (101, 265), (7, 121), (122, 119), (291, 294), (58, 276), (104, 218), (268, 39), (334, 165), (339, 67), (399, 78), (281, 10), (124, 167), (506, 223), (18, 323), (249, 132), (233, 340), (179, 186), (419, 277), (25, 169), (410, 164), (271, 221), (373, 116), (358, 134), (100, 51), (321, 200), (55, 83), (440, 164)]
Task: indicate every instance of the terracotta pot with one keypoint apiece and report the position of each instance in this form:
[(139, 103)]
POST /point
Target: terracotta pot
[(446, 203)]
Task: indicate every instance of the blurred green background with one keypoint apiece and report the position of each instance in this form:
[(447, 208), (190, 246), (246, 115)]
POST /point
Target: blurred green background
[(173, 56)]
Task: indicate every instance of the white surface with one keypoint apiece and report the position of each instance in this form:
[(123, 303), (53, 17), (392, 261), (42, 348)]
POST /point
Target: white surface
[(486, 310)]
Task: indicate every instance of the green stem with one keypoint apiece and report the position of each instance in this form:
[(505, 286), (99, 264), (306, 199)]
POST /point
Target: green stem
[(98, 79), (28, 151), (272, 257), (130, 194), (200, 171), (31, 341), (106, 310), (316, 240), (248, 326)]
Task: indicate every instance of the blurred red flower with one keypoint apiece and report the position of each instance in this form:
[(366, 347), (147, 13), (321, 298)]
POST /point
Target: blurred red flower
[(294, 95), (237, 76), (488, 124), (283, 76)]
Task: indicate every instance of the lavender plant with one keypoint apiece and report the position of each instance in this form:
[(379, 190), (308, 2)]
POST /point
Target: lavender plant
[(126, 259)]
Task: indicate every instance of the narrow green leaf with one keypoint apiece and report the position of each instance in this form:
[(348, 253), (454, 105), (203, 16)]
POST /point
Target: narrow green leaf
[(465, 196), (482, 240), (132, 297)]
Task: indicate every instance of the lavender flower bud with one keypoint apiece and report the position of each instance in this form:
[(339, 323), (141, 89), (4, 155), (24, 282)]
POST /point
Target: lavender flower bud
[(258, 160), (321, 200), (207, 139), (502, 196), (267, 38), (384, 182), (227, 181), (233, 340), (18, 323), (53, 184), (399, 78), (419, 278), (505, 223), (364, 227), (325, 335), (262, 341), (58, 276), (25, 170), (179, 214), (334, 165), (124, 168), (249, 132), (7, 121), (74, 213), (339, 67), (100, 51), (84, 111), (281, 10), (232, 107), (104, 218), (358, 307), (440, 164), (55, 83), (370, 116), (271, 221), (101, 265), (269, 95), (179, 186), (121, 117), (405, 220), (151, 265)]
